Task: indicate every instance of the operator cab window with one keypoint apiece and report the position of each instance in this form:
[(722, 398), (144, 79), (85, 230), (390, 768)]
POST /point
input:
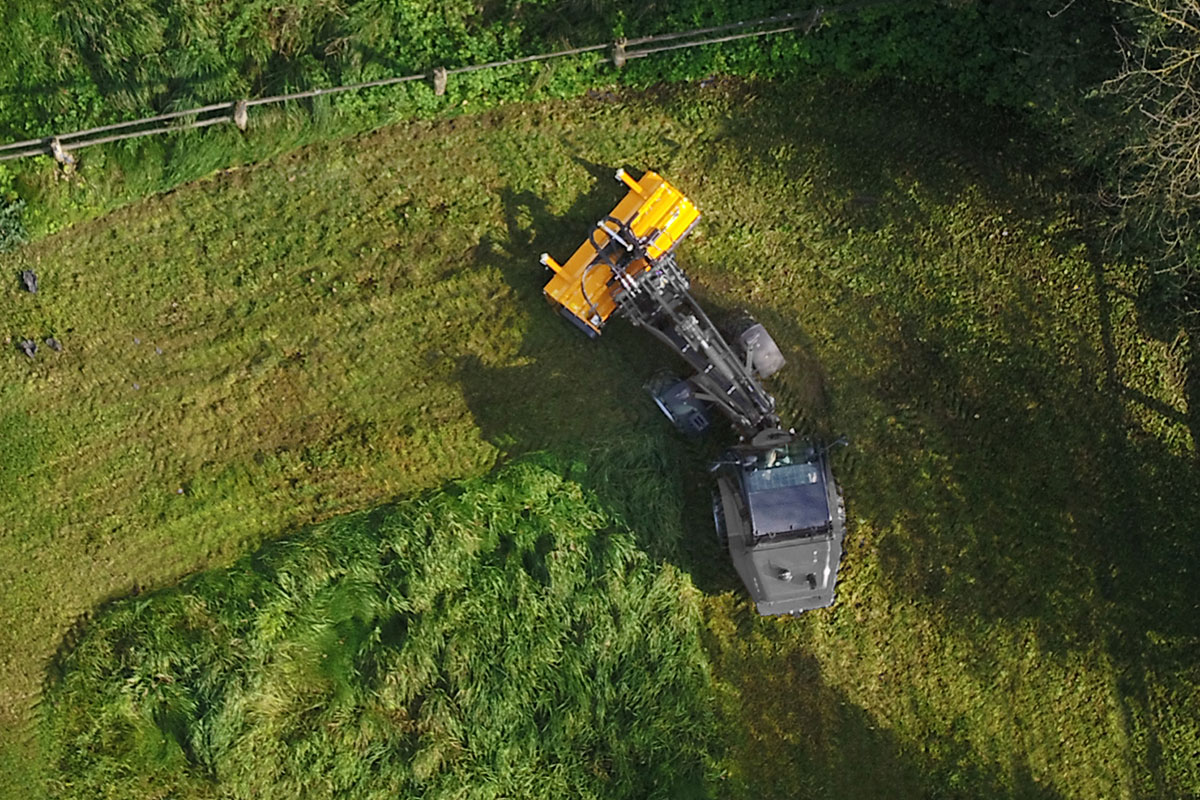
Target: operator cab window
[(783, 476), (787, 494)]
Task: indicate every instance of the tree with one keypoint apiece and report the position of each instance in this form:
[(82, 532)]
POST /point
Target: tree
[(1159, 84)]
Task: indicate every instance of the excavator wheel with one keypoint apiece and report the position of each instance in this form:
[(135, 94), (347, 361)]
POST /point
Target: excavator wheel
[(751, 338), (719, 524), (677, 400)]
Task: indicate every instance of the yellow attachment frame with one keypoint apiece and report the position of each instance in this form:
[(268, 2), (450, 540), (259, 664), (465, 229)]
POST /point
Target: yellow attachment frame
[(658, 215)]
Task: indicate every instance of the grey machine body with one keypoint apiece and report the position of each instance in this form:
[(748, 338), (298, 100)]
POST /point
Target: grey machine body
[(776, 504)]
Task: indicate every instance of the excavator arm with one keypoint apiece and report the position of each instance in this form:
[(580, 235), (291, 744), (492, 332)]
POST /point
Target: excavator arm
[(627, 268)]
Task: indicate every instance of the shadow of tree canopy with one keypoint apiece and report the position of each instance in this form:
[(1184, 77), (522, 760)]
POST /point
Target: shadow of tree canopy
[(996, 460), (803, 736), (1009, 442)]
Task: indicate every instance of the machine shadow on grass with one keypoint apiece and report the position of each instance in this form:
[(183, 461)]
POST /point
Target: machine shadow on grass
[(1049, 502)]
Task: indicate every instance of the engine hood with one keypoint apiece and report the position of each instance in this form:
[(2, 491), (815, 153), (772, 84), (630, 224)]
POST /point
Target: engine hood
[(787, 577)]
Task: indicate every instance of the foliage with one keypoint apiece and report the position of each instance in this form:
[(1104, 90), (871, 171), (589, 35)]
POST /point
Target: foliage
[(1160, 85), (12, 227), (100, 61), (363, 319), (1156, 176), (503, 639)]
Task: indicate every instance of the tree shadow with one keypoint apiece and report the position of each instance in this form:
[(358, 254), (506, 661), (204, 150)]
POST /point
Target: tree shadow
[(794, 734), (1022, 488)]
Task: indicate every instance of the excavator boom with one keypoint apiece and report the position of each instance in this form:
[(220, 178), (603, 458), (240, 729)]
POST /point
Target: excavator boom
[(627, 267)]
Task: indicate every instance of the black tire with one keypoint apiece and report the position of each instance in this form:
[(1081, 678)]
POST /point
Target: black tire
[(677, 401), (751, 340), (718, 512)]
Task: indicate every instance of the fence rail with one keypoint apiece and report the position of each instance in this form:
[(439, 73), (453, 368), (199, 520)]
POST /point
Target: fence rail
[(237, 111)]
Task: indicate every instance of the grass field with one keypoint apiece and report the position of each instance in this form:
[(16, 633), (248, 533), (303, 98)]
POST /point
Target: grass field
[(362, 321)]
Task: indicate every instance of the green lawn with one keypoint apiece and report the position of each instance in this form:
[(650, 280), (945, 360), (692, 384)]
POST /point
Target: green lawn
[(362, 321)]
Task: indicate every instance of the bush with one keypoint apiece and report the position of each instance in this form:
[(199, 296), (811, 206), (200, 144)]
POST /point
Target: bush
[(12, 226), (12, 223)]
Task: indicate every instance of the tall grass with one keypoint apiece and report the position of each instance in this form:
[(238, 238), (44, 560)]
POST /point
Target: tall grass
[(505, 638)]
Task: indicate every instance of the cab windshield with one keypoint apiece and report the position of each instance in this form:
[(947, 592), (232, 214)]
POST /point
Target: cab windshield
[(782, 476), (786, 493)]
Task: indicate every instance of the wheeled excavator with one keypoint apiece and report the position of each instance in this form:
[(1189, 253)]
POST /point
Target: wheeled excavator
[(776, 505)]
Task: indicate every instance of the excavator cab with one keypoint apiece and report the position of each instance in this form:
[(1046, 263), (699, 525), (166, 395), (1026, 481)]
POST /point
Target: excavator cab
[(779, 512)]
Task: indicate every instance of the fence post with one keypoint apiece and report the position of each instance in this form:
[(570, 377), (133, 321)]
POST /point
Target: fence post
[(439, 81), (241, 115), (61, 155), (618, 53), (817, 15)]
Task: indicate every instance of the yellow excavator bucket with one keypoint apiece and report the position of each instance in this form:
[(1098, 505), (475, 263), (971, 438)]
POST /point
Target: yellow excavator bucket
[(656, 214)]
